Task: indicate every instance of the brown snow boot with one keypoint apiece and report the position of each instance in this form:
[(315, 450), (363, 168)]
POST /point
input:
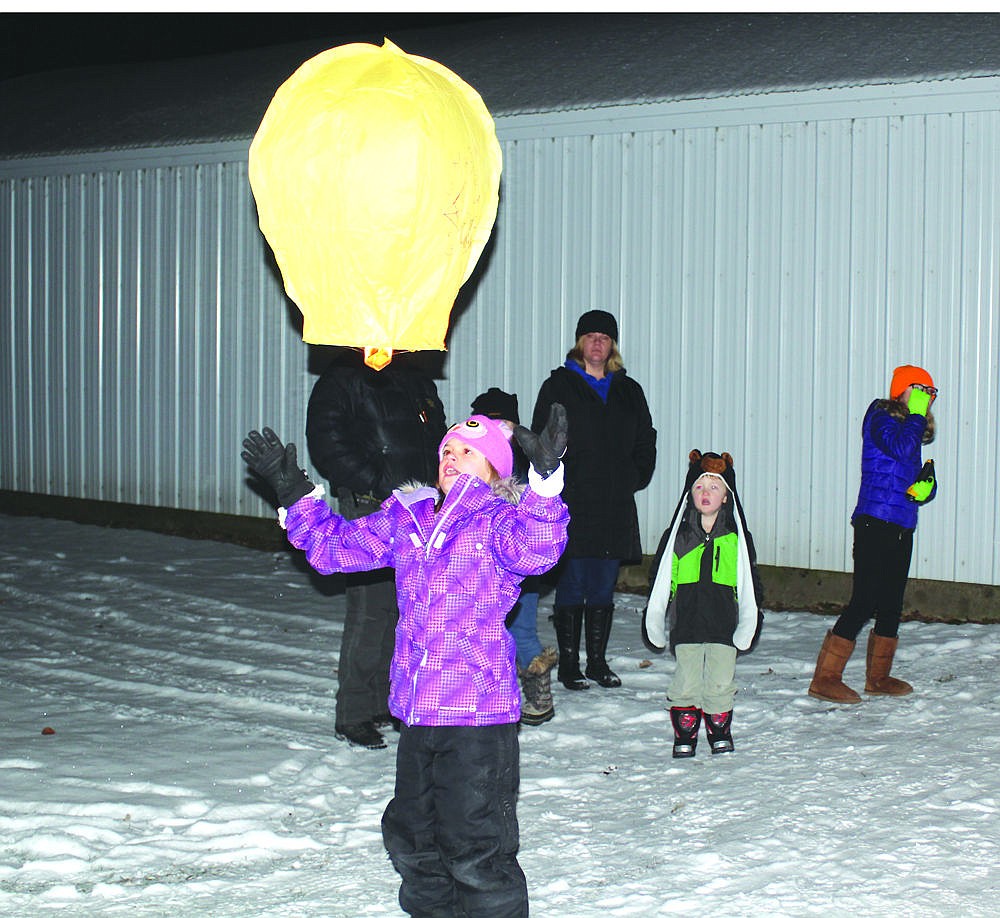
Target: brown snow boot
[(881, 650), (536, 689), (827, 682)]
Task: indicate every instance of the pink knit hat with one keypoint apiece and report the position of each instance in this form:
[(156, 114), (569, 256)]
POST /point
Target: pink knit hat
[(491, 438)]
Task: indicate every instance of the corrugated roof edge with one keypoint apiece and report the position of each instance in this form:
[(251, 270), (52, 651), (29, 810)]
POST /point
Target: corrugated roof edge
[(521, 65)]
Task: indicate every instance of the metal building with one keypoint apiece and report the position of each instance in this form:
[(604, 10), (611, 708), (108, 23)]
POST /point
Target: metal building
[(779, 209)]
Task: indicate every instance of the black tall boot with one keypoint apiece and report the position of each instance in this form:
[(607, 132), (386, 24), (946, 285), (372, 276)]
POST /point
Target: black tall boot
[(568, 621), (598, 633)]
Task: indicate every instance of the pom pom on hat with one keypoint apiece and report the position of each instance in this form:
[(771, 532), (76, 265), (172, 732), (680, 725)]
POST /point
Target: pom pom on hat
[(905, 376), (597, 320), (490, 437)]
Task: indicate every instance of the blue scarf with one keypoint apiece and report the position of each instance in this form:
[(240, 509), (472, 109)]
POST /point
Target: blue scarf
[(600, 386)]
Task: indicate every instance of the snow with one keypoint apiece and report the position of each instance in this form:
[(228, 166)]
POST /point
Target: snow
[(193, 768)]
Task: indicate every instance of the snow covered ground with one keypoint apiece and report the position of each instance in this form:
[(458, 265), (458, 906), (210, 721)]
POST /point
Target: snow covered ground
[(193, 771)]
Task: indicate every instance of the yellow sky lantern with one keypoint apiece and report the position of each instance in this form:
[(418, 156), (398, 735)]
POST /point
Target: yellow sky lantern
[(376, 175)]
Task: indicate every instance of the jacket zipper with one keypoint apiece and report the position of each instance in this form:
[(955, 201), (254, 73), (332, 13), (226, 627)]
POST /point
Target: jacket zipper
[(444, 517), (427, 552), (411, 719)]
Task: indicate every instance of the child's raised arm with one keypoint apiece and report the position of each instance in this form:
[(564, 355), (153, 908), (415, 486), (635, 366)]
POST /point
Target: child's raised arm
[(545, 450), (277, 464)]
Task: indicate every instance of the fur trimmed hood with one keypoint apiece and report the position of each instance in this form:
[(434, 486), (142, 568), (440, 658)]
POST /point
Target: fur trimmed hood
[(897, 410), (509, 488)]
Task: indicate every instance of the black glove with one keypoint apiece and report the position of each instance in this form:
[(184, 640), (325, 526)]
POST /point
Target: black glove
[(277, 464), (544, 450)]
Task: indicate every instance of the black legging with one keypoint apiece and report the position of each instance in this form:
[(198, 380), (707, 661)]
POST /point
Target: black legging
[(881, 567)]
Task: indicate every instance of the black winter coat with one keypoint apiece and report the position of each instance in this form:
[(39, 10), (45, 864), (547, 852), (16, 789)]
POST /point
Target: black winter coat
[(372, 430), (610, 454)]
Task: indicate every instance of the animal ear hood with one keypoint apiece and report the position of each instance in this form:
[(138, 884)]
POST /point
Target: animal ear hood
[(710, 463), (750, 617)]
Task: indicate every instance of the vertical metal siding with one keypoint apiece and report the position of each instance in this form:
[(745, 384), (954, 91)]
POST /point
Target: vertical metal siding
[(768, 270), (979, 346), (837, 435), (814, 256), (146, 331)]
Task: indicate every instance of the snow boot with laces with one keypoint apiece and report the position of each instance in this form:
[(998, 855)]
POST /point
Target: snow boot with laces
[(536, 689)]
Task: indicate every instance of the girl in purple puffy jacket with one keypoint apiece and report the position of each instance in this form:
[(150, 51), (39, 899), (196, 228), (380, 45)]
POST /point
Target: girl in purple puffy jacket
[(460, 551), (894, 485)]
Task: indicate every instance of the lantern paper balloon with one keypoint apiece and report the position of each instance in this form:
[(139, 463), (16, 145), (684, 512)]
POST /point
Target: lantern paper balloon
[(376, 175)]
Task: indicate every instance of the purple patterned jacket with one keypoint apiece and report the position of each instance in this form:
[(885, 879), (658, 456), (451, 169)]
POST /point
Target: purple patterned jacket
[(458, 574)]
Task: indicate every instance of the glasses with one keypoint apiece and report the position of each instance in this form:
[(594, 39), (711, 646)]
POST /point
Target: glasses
[(930, 390)]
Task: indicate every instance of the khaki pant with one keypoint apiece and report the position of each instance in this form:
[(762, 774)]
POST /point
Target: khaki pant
[(704, 678)]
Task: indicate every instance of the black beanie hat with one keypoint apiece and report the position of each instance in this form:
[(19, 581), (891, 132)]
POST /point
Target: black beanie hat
[(597, 320), (497, 404)]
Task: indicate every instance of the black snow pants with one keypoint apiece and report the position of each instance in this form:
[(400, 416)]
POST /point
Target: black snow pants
[(451, 829)]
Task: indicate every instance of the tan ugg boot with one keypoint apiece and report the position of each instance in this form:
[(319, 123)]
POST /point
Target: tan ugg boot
[(827, 682), (881, 651)]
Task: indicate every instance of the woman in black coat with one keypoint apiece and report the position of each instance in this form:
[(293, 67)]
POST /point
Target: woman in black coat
[(611, 454)]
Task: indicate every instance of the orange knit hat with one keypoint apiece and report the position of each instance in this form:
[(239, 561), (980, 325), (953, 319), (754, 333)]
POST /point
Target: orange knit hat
[(905, 376)]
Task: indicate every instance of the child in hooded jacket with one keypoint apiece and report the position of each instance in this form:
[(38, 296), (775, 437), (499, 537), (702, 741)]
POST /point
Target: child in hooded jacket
[(460, 551), (706, 591)]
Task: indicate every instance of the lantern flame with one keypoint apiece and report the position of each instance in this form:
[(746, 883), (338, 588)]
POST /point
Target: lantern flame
[(378, 358)]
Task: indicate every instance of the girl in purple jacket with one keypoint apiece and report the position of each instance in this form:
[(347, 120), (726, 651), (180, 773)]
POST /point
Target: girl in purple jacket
[(894, 486), (460, 551)]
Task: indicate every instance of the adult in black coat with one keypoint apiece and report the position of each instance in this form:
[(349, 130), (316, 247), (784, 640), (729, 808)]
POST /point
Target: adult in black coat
[(610, 455), (370, 431)]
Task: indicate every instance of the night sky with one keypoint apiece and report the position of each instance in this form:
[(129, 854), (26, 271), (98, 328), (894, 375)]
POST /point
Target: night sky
[(35, 42)]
